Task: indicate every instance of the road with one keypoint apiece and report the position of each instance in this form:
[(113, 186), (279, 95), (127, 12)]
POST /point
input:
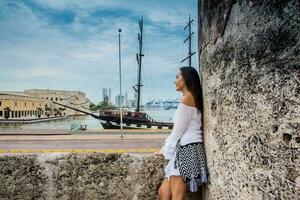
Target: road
[(132, 142)]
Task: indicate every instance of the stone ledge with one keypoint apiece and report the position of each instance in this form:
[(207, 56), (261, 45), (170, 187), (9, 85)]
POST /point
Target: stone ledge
[(81, 176)]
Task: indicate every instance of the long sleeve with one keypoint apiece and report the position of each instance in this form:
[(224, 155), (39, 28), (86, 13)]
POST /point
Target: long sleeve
[(182, 119)]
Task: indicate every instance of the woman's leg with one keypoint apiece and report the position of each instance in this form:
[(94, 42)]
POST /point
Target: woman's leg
[(164, 191), (178, 188)]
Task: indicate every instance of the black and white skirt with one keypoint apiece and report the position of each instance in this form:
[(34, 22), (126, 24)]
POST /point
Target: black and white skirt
[(190, 164)]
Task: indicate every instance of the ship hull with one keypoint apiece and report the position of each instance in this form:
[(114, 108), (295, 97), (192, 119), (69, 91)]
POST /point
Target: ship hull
[(135, 125), (108, 125)]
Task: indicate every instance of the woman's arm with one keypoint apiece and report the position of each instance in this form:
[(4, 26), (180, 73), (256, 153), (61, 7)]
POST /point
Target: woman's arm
[(182, 120)]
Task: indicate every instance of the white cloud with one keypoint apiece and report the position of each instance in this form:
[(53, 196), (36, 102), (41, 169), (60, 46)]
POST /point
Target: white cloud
[(87, 51)]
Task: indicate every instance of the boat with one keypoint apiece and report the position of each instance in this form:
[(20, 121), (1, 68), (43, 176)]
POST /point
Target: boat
[(131, 120), (111, 119)]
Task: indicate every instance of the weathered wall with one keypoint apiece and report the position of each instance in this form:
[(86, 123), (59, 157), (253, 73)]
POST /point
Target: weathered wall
[(250, 69), (80, 176), (86, 176)]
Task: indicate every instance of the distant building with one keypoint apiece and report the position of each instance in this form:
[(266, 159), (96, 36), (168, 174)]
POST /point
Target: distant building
[(132, 103), (126, 103), (76, 99), (37, 103), (106, 95), (109, 96), (20, 106), (120, 100)]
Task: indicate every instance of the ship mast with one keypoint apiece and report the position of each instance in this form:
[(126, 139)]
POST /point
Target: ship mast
[(189, 39), (139, 62)]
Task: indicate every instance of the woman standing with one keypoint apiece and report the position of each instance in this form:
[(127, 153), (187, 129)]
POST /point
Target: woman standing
[(184, 147)]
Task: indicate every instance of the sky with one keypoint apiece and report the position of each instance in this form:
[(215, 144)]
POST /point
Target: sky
[(73, 45)]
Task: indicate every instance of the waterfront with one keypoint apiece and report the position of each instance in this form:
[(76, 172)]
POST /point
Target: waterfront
[(157, 114)]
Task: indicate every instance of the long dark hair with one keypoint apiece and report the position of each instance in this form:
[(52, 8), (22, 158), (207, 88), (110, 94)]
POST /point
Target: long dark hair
[(192, 81)]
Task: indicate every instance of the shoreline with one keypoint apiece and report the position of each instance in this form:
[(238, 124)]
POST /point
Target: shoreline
[(29, 121)]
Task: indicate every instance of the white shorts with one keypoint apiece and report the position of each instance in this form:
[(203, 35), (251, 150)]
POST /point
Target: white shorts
[(170, 169)]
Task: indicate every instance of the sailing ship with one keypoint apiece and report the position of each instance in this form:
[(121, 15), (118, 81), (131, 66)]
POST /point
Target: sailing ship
[(115, 119)]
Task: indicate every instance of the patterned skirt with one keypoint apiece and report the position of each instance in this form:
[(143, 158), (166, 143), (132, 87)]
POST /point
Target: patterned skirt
[(189, 162)]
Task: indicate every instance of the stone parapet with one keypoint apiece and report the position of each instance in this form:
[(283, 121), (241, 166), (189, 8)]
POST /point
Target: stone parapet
[(86, 176)]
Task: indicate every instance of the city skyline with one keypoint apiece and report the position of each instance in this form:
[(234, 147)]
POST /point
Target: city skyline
[(72, 45)]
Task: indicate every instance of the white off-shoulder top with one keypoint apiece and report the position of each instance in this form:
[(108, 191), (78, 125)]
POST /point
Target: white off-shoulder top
[(187, 128)]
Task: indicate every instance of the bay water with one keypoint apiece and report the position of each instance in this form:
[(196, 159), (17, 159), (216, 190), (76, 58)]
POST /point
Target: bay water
[(156, 114)]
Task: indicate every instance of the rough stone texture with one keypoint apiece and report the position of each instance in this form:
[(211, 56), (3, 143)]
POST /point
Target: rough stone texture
[(87, 176), (251, 84), (80, 176), (21, 174)]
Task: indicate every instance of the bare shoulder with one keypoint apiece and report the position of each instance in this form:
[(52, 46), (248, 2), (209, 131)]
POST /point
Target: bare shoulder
[(188, 100)]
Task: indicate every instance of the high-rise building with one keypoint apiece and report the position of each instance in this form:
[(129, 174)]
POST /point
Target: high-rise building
[(126, 103), (120, 100), (109, 95), (104, 93)]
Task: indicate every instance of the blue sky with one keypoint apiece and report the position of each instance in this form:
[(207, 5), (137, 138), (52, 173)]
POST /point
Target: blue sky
[(73, 45)]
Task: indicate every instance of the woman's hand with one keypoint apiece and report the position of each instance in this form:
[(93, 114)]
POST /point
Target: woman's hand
[(158, 153)]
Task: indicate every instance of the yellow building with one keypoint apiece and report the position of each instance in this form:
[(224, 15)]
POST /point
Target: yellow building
[(76, 99), (37, 103), (20, 106)]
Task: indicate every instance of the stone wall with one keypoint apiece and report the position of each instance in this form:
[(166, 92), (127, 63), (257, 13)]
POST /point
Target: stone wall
[(84, 176), (250, 69), (81, 176)]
